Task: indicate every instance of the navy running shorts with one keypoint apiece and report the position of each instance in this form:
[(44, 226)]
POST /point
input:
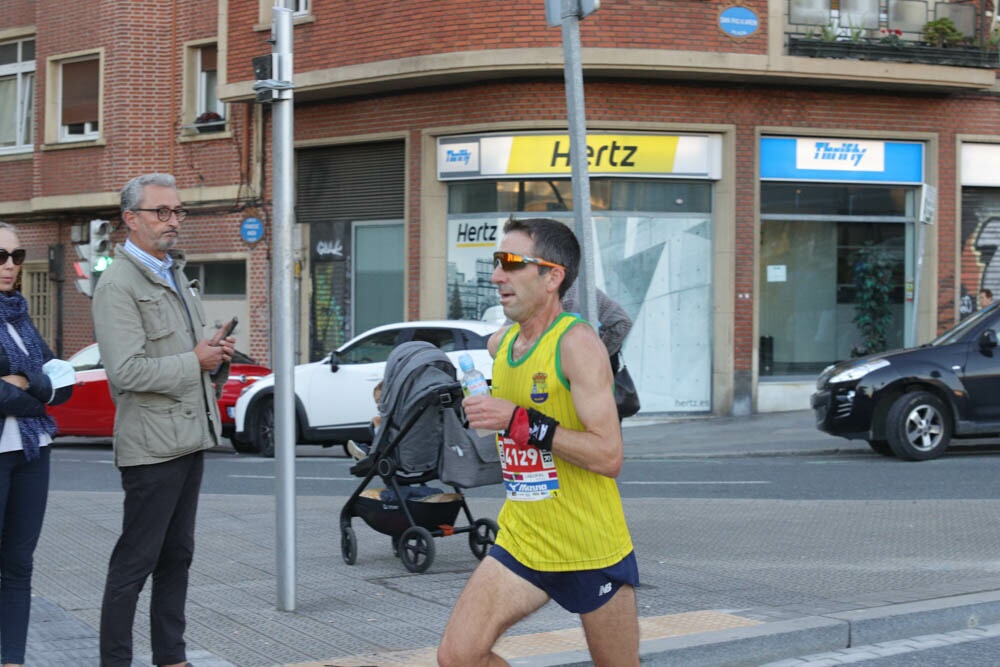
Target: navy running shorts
[(577, 591)]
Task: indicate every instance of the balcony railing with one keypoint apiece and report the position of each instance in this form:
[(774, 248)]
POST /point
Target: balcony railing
[(904, 52), (895, 30)]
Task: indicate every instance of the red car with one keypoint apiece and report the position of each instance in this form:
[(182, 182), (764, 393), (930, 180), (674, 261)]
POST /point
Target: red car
[(91, 413)]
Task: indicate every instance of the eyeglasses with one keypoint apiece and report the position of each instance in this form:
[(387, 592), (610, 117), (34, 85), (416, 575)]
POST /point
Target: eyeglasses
[(163, 213), (16, 255), (511, 262)]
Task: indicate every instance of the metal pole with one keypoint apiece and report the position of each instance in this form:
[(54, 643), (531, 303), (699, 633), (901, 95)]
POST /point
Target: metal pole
[(281, 303), (576, 115)]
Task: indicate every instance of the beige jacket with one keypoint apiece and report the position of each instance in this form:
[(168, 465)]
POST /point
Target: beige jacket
[(166, 406)]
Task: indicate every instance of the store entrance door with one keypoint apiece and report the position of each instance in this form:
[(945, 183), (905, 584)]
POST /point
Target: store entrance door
[(377, 276), (816, 285)]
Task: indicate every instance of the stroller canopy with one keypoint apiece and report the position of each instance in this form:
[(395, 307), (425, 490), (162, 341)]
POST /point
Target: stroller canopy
[(412, 371)]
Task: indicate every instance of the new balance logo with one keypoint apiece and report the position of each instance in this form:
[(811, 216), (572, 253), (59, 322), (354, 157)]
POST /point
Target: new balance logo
[(604, 589)]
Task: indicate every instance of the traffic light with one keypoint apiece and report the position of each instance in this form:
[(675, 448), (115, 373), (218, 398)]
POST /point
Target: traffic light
[(94, 256), (100, 247), (82, 268)]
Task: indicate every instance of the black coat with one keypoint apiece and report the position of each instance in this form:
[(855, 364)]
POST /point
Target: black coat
[(15, 402)]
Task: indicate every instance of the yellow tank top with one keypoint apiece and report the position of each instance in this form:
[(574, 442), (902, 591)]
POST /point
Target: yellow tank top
[(558, 517)]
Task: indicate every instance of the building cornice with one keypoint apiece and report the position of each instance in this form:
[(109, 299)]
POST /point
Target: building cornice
[(647, 64), (109, 201)]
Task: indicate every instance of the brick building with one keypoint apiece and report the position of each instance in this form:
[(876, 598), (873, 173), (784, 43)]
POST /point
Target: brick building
[(92, 94), (748, 161)]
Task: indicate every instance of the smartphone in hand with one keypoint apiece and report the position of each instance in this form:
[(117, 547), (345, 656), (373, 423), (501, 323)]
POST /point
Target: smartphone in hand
[(229, 328)]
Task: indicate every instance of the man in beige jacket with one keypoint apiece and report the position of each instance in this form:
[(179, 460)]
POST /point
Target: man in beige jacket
[(165, 379)]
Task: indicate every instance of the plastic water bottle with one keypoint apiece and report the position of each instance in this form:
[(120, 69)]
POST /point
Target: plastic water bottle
[(473, 383)]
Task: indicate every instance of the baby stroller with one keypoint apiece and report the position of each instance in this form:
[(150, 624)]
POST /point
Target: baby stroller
[(422, 438)]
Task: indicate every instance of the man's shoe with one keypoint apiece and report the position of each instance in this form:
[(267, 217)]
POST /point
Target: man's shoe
[(355, 450)]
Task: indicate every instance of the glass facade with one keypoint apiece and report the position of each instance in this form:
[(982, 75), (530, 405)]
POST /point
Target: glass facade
[(652, 254), (823, 246)]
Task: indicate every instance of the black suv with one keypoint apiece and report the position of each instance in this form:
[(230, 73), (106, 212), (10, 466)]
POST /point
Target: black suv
[(911, 403)]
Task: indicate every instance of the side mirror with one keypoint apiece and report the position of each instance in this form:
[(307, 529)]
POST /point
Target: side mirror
[(988, 341), (334, 362)]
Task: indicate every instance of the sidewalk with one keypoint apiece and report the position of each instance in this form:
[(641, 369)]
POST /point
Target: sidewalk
[(725, 582)]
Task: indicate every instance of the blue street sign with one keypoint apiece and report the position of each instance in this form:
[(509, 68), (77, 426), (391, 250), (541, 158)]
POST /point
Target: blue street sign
[(252, 230), (738, 21)]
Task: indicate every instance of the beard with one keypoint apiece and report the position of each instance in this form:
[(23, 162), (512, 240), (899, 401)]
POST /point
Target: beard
[(165, 243)]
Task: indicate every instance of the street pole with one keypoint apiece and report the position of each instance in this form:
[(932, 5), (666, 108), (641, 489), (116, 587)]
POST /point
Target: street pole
[(282, 309), (569, 16)]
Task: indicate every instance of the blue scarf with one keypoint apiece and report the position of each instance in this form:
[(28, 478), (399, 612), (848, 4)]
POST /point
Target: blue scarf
[(14, 311)]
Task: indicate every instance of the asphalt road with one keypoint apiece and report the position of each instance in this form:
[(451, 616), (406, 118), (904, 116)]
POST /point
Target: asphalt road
[(850, 476)]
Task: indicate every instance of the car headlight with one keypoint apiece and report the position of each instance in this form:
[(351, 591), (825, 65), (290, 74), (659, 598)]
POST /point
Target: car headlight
[(857, 372)]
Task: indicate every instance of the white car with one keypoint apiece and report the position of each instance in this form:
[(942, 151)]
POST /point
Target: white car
[(333, 397)]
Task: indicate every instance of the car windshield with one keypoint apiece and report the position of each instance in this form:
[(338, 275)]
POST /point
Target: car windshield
[(370, 349), (965, 325), (86, 359)]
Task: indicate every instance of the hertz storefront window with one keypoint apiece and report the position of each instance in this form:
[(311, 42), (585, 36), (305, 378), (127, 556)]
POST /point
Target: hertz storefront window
[(651, 196)]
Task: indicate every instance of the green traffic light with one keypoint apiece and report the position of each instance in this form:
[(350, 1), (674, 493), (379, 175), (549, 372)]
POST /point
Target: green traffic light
[(101, 263)]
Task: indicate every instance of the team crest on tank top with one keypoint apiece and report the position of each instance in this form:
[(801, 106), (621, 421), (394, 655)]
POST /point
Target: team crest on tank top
[(539, 387)]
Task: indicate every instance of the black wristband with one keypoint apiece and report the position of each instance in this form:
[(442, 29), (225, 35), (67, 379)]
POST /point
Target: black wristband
[(542, 429)]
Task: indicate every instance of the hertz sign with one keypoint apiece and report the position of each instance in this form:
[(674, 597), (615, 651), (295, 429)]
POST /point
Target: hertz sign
[(608, 154)]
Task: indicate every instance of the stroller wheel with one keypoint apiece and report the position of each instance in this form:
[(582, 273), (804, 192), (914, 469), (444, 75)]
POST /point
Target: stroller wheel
[(483, 535), (348, 545), (416, 549)]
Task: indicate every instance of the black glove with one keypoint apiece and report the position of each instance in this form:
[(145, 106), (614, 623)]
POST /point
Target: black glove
[(540, 428)]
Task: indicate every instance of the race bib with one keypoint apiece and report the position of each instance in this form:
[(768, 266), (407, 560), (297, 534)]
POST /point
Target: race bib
[(528, 472)]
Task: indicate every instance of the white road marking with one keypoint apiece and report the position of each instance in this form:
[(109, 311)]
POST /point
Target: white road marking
[(700, 483), (322, 479)]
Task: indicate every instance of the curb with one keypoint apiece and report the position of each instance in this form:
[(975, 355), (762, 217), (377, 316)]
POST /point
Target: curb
[(781, 640), (960, 612)]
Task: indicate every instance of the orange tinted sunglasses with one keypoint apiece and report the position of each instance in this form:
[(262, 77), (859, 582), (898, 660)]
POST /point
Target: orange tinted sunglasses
[(511, 262)]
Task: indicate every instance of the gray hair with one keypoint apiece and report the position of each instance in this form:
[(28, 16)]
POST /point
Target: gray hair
[(132, 192), (553, 241), (9, 227)]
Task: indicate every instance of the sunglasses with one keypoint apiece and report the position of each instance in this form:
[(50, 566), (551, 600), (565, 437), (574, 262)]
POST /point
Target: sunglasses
[(511, 262), (17, 255)]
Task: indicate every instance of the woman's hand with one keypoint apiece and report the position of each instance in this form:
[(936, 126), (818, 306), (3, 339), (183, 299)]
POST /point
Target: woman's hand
[(18, 381)]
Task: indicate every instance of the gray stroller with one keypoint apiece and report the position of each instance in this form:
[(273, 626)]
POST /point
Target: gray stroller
[(422, 439)]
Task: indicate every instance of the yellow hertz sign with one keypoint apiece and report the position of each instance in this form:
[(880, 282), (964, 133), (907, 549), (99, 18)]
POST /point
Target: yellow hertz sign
[(654, 155), (609, 153)]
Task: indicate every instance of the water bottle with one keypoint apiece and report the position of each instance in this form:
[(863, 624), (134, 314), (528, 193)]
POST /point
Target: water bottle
[(473, 383)]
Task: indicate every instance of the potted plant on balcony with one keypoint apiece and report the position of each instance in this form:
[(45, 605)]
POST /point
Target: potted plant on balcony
[(942, 32), (209, 121)]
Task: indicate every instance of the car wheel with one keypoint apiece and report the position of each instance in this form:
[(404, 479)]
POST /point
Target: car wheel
[(243, 446), (263, 427), (881, 447), (918, 426)]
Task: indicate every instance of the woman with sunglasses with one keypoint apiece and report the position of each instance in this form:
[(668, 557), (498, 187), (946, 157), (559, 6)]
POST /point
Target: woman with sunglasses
[(25, 432)]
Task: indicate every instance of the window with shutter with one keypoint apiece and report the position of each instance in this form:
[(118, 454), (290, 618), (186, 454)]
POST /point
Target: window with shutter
[(79, 115)]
